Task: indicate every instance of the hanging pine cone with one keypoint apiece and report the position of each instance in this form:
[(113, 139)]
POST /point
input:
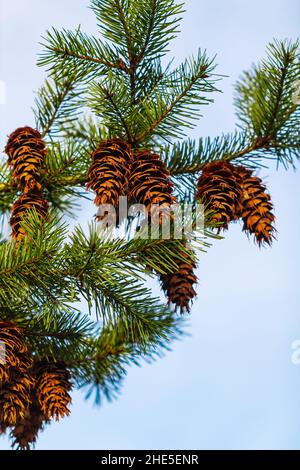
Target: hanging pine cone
[(109, 172), (11, 336), (150, 182), (219, 189), (26, 152), (21, 206), (15, 394), (179, 286), (16, 380), (26, 431), (53, 382), (257, 208)]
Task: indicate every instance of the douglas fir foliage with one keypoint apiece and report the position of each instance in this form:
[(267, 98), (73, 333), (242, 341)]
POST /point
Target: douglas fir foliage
[(112, 119)]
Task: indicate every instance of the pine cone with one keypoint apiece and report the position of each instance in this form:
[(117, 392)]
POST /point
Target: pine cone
[(53, 382), (109, 172), (257, 208), (11, 336), (150, 183), (16, 380), (219, 189), (26, 152), (26, 431), (178, 286), (23, 204), (15, 394)]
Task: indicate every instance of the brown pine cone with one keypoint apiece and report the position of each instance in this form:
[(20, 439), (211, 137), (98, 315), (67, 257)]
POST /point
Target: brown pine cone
[(179, 286), (15, 394), (21, 206), (109, 172), (53, 384), (257, 208), (26, 152), (11, 336), (219, 189), (24, 435), (150, 183)]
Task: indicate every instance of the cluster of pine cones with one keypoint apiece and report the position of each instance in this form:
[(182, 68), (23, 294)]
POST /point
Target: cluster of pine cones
[(233, 192), (26, 154), (32, 392), (228, 193), (119, 170)]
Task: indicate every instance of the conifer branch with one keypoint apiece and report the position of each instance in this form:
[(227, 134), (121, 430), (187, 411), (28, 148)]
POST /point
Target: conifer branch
[(126, 28), (171, 107), (56, 104), (110, 97), (151, 24), (166, 108), (78, 53)]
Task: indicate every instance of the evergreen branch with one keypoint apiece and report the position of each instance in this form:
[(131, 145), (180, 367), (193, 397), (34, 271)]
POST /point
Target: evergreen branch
[(120, 12), (150, 26), (280, 92), (127, 300), (119, 255), (112, 22), (51, 333), (130, 50), (103, 364), (65, 161), (67, 51), (63, 327), (34, 252), (53, 273), (149, 78), (265, 101), (110, 97), (174, 103), (141, 30), (157, 26), (110, 101), (88, 132), (190, 156), (57, 104)]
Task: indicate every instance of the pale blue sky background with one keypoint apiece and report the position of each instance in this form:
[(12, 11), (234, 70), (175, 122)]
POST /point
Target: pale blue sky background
[(231, 385)]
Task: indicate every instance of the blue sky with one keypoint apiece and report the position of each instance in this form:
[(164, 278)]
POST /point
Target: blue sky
[(231, 384)]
